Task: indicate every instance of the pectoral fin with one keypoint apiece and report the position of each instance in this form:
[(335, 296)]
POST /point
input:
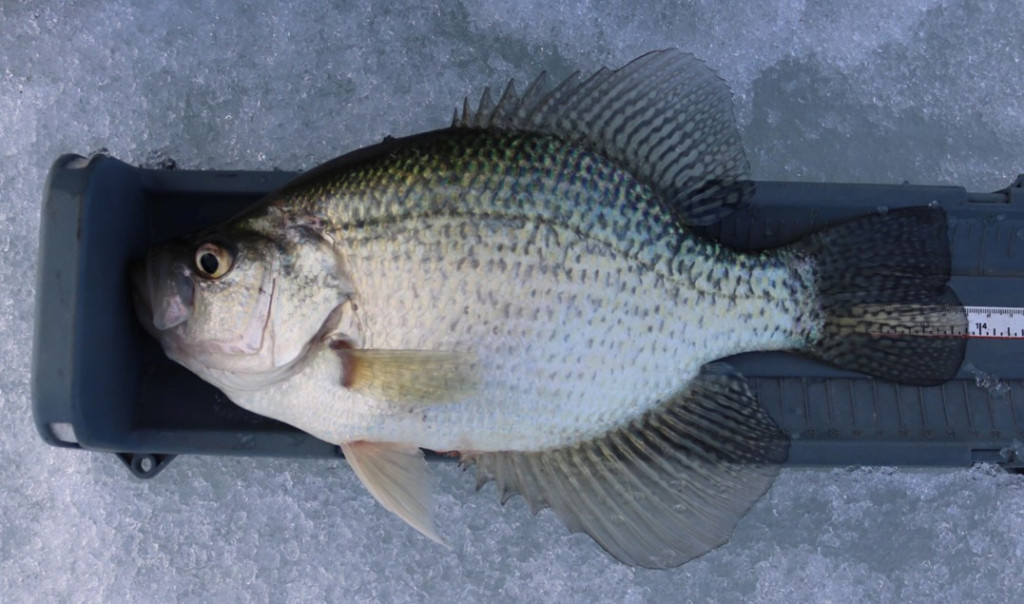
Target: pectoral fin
[(664, 488), (397, 476), (408, 376)]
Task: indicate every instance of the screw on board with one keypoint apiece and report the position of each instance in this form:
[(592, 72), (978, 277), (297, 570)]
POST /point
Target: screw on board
[(145, 465)]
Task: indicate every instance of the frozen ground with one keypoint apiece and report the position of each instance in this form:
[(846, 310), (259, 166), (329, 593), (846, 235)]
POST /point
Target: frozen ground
[(924, 91)]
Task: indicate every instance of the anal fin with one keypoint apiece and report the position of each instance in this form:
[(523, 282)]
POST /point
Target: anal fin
[(664, 488)]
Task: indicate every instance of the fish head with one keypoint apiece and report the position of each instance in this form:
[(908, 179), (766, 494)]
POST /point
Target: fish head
[(241, 307)]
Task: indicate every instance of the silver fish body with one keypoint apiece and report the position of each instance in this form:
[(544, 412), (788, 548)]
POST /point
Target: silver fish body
[(525, 288), (577, 299)]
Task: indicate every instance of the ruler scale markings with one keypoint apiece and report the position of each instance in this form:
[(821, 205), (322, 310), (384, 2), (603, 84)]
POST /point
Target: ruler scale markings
[(992, 322), (995, 322)]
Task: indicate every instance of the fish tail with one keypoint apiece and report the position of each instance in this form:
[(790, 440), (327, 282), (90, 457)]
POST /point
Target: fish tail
[(882, 290)]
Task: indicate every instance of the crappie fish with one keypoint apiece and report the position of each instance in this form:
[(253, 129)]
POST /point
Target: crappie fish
[(525, 289)]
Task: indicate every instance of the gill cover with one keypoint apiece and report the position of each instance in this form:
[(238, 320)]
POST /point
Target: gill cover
[(246, 300)]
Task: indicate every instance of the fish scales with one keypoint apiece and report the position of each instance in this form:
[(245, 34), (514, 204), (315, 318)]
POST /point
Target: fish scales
[(593, 264)]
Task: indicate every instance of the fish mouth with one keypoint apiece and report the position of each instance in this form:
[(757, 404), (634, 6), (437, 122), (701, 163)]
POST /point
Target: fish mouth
[(163, 292)]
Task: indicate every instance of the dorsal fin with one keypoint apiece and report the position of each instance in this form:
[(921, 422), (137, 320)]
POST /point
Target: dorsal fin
[(665, 116)]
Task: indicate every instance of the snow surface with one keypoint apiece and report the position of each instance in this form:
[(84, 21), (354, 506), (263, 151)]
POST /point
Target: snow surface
[(926, 91)]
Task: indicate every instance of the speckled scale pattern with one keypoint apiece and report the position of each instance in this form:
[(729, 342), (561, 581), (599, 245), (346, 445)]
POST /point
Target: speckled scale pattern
[(583, 300)]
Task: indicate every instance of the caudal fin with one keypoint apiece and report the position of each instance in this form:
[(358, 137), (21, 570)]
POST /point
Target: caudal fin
[(882, 283)]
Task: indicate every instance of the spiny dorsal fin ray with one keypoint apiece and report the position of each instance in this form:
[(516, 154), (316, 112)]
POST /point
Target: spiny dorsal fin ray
[(666, 487), (483, 113), (665, 116)]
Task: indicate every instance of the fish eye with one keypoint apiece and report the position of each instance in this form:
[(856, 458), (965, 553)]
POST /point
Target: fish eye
[(213, 261)]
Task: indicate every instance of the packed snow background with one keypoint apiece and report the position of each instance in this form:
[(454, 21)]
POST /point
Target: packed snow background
[(926, 91)]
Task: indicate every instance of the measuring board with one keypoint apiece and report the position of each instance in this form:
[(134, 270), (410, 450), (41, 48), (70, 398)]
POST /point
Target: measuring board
[(126, 397), (994, 322), (997, 322)]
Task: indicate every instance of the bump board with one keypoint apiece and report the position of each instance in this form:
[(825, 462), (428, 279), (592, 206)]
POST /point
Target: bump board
[(101, 383)]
